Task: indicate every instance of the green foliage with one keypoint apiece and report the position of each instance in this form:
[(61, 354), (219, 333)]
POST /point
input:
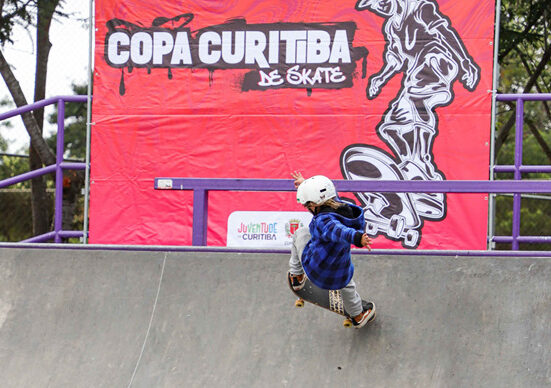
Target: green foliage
[(15, 201), (3, 144), (15, 207), (534, 220), (15, 12), (12, 166), (534, 212), (531, 153), (522, 22), (5, 104)]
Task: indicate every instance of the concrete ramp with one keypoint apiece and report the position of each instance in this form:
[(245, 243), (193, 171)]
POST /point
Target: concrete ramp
[(87, 318)]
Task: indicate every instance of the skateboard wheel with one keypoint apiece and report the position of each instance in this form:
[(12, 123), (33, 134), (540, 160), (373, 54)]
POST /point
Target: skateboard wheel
[(347, 323), (371, 229), (396, 226), (299, 303), (412, 236)]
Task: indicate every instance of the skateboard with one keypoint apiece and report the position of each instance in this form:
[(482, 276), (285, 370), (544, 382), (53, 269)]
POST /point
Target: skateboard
[(328, 299)]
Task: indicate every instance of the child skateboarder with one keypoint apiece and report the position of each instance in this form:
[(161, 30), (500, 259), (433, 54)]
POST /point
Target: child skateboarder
[(322, 251)]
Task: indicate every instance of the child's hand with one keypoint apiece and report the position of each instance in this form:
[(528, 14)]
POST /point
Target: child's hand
[(297, 175), (366, 241)]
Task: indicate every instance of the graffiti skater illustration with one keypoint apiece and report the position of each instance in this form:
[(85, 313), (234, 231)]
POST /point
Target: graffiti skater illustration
[(421, 44)]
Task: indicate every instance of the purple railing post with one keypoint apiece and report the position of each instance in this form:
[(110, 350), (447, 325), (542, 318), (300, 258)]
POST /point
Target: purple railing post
[(518, 175), (58, 220), (200, 217)]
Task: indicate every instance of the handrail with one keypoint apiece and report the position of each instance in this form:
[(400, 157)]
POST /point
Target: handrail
[(524, 96), (201, 187), (382, 186), (40, 104), (57, 234)]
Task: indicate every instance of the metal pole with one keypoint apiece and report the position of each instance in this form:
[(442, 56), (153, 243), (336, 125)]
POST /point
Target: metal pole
[(200, 217), (518, 174), (58, 218), (491, 196), (88, 122)]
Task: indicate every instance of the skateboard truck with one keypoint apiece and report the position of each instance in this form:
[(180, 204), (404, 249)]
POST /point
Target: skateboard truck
[(299, 303)]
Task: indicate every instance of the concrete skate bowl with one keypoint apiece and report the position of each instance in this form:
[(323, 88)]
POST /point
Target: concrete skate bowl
[(104, 318)]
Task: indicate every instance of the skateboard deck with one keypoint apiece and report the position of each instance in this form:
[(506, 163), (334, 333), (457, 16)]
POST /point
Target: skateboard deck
[(328, 299)]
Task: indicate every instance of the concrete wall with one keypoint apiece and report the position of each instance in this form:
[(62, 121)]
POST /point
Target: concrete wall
[(86, 318)]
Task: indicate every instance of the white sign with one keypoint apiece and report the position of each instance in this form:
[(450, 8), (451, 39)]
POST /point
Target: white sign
[(264, 229)]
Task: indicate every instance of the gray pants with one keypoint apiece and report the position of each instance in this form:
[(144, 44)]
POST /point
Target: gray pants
[(351, 298)]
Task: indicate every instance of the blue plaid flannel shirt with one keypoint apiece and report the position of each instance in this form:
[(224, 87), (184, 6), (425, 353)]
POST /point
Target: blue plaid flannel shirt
[(326, 258)]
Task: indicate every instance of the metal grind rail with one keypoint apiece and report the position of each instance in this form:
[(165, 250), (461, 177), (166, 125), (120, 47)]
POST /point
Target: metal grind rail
[(202, 186)]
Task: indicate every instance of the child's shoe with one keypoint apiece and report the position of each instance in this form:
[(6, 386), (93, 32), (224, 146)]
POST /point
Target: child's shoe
[(367, 315), (297, 281)]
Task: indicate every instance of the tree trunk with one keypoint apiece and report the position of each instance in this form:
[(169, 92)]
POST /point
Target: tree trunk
[(39, 198), (46, 155)]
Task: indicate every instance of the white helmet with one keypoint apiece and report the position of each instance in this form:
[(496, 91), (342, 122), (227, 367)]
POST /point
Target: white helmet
[(316, 189)]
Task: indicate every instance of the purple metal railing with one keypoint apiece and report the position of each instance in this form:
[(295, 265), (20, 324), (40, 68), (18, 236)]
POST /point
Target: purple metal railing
[(201, 187), (57, 234), (517, 169)]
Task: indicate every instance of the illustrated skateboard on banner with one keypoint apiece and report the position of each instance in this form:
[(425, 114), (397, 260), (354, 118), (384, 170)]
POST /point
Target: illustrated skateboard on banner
[(328, 299)]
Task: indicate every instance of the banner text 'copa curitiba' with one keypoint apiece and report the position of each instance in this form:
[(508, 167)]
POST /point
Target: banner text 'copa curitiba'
[(357, 90)]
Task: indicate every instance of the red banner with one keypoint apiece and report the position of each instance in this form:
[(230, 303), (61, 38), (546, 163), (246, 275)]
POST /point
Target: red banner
[(366, 90)]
